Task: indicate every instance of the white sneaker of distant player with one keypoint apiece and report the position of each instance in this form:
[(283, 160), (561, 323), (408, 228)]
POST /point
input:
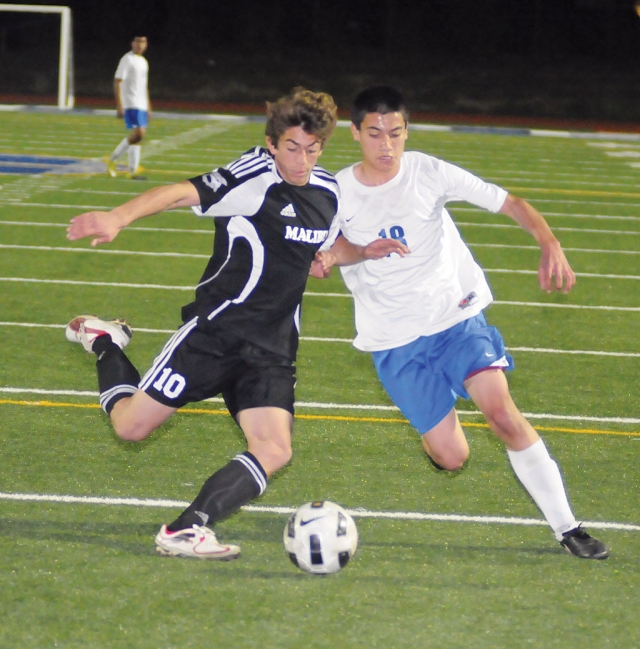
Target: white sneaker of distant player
[(197, 542), (289, 211)]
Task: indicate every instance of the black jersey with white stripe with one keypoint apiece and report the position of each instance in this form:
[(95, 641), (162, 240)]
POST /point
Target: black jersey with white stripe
[(267, 232)]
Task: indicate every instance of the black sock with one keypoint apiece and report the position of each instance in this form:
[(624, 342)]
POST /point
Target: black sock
[(117, 377), (228, 489)]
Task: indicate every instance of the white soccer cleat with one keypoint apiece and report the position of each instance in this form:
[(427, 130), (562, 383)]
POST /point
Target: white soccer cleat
[(196, 542), (84, 329)]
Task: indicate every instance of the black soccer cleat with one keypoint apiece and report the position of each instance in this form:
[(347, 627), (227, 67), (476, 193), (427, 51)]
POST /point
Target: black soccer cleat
[(578, 543)]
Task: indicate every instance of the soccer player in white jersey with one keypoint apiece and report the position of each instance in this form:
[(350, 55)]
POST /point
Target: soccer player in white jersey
[(272, 209), (419, 312), (131, 91)]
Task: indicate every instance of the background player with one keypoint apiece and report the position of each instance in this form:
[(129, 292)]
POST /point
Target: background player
[(131, 90), (272, 208), (421, 314)]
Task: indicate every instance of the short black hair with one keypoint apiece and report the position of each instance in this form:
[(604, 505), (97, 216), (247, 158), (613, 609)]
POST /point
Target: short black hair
[(378, 99)]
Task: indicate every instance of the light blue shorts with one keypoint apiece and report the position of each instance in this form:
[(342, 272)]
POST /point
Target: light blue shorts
[(425, 377), (134, 118)]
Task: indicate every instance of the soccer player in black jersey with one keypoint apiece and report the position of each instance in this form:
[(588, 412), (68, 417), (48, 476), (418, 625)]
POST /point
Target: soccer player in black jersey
[(273, 209)]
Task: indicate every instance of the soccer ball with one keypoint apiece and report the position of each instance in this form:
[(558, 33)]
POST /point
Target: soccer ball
[(320, 537)]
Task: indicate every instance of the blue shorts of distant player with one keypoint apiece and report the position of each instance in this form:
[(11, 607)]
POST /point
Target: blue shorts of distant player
[(425, 377), (134, 118)]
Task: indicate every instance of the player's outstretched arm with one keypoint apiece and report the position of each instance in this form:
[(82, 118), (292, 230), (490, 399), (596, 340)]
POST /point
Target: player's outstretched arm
[(104, 226), (553, 263), (345, 253)]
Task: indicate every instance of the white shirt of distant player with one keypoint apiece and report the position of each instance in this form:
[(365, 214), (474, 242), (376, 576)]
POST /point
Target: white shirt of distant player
[(439, 284), (133, 69)]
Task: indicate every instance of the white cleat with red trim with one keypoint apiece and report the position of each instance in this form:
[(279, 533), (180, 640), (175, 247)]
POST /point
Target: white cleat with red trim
[(85, 329), (197, 542)]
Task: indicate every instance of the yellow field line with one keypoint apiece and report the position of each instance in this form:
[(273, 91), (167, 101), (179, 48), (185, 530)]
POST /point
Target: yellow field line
[(377, 420)]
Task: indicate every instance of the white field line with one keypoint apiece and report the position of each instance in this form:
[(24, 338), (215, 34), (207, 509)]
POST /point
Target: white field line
[(19, 203), (458, 223), (559, 201), (560, 214), (567, 201), (71, 282), (510, 271), (506, 179), (537, 248), (319, 405), (165, 503), (29, 186), (318, 339), (208, 232), (134, 228), (555, 229), (38, 224), (75, 208), (429, 127), (103, 251), (613, 145)]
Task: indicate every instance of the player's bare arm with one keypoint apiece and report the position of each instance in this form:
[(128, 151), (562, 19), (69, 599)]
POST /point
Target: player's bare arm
[(116, 93), (345, 253), (104, 226), (553, 262)]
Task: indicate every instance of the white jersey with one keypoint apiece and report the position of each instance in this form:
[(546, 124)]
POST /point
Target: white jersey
[(439, 284), (133, 69)]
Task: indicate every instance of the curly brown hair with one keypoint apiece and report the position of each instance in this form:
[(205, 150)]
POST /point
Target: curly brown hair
[(315, 112)]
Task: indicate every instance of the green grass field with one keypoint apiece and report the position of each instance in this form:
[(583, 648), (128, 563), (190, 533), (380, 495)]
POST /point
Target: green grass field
[(83, 573)]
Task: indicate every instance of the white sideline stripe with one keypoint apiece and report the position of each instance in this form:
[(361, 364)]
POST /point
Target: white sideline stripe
[(542, 350), (262, 509), (345, 406), (308, 293)]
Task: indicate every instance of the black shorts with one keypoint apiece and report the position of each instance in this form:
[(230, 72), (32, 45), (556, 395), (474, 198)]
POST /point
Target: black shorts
[(195, 365)]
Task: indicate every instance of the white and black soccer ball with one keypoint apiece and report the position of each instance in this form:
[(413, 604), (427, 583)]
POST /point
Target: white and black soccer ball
[(321, 537)]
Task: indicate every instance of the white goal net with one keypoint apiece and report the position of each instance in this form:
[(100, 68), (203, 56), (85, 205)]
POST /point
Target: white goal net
[(64, 47)]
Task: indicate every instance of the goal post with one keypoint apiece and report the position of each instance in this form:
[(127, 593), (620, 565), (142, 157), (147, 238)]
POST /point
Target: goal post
[(66, 98)]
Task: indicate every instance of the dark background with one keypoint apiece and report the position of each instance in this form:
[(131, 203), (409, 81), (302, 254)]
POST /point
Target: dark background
[(528, 59)]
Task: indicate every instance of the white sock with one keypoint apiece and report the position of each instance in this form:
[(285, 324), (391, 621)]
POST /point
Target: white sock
[(541, 478), (120, 149), (134, 157)]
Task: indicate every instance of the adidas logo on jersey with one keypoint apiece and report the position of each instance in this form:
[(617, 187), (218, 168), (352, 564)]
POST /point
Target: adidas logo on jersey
[(288, 211)]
